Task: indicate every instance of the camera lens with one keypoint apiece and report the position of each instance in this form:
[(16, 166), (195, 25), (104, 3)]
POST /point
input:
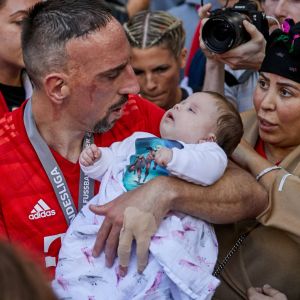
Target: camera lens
[(224, 32), (221, 32)]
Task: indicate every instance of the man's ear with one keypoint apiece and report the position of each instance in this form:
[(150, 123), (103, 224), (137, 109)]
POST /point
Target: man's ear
[(56, 87)]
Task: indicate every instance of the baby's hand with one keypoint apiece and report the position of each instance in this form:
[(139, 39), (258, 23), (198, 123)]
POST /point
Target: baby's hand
[(89, 155), (163, 156)]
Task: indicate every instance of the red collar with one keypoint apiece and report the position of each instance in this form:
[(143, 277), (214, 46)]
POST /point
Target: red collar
[(260, 149)]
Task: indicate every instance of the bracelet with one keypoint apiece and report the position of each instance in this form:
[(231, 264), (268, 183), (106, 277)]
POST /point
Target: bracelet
[(266, 170)]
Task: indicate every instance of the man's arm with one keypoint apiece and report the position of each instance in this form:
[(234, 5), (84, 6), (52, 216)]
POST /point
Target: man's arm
[(236, 196)]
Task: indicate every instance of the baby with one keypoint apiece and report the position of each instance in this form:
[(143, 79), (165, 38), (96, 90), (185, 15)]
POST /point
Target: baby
[(197, 135)]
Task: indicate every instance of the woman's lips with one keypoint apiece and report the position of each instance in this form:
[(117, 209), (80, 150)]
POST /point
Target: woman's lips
[(266, 125)]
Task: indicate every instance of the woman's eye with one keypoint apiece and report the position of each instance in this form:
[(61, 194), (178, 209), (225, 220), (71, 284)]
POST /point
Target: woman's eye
[(262, 83), (161, 69), (285, 93)]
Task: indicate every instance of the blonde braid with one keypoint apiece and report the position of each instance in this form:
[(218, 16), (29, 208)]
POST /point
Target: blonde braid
[(147, 29)]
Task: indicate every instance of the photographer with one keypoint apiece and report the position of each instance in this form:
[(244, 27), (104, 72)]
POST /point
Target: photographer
[(237, 84), (246, 56)]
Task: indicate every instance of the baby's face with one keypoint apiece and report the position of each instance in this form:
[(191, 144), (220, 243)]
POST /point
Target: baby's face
[(191, 120)]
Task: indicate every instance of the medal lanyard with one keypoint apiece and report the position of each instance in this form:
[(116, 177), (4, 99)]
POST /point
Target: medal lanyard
[(54, 173)]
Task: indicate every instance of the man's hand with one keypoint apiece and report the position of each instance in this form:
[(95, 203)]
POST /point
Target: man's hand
[(151, 199), (138, 225)]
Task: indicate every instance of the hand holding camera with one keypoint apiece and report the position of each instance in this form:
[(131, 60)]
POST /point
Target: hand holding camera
[(236, 36)]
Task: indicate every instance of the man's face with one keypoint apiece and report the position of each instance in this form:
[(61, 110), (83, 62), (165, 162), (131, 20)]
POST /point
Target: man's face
[(99, 77), (11, 15)]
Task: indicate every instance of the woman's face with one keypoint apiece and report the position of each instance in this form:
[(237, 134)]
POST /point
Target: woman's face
[(277, 103), (11, 15), (158, 73)]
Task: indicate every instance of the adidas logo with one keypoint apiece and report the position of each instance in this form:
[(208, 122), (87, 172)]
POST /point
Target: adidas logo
[(41, 210)]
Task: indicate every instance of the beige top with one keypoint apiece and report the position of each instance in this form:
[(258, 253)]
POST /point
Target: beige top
[(271, 253)]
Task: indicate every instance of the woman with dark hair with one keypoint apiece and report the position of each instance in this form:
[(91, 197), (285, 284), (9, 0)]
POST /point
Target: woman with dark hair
[(20, 278), (15, 86), (270, 151)]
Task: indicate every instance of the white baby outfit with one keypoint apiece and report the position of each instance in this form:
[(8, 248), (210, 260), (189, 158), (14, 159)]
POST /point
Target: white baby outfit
[(183, 251)]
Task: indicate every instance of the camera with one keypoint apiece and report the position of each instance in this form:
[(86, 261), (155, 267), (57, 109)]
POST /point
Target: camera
[(224, 29)]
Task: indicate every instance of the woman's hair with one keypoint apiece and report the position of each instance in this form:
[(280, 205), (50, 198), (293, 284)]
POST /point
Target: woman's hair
[(147, 29), (2, 3), (21, 279), (50, 25), (229, 124)]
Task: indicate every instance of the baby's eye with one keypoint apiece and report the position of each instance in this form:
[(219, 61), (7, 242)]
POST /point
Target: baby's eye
[(191, 109)]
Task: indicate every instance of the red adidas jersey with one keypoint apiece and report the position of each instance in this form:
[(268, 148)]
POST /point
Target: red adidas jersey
[(3, 105), (25, 188)]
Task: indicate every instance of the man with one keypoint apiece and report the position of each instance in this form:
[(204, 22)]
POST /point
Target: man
[(82, 79), (77, 56)]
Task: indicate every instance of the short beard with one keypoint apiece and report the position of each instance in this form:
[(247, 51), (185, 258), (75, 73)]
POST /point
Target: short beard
[(104, 125)]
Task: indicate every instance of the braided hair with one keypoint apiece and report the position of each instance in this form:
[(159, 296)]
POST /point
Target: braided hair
[(155, 28)]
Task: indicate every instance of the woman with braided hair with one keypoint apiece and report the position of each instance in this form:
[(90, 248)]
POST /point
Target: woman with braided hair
[(158, 55)]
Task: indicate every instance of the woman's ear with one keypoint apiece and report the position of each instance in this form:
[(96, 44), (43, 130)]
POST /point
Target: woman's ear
[(183, 58), (56, 87)]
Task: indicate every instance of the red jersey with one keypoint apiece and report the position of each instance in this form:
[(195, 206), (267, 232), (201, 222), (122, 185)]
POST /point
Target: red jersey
[(30, 214), (3, 105)]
